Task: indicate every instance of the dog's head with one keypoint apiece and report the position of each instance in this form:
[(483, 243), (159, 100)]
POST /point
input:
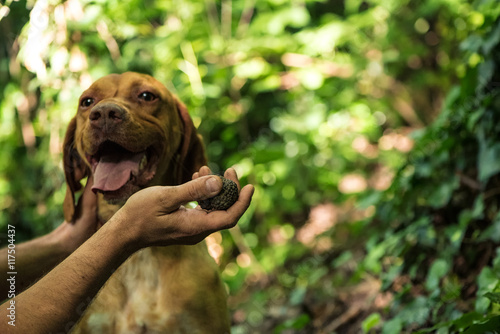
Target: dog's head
[(129, 132)]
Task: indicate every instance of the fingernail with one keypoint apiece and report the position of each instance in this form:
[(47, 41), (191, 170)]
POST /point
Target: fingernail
[(213, 185)]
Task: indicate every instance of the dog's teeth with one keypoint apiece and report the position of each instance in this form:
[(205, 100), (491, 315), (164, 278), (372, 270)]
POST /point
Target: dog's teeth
[(143, 162)]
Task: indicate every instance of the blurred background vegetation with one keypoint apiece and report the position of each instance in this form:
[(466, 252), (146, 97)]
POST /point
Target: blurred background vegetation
[(369, 128)]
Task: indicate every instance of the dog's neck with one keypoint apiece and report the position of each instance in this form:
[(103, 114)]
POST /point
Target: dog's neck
[(105, 210)]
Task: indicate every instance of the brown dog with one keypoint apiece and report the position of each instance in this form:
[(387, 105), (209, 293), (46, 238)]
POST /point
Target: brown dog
[(130, 132)]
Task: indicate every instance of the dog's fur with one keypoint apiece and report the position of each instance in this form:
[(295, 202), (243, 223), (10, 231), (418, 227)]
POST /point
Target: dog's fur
[(175, 289)]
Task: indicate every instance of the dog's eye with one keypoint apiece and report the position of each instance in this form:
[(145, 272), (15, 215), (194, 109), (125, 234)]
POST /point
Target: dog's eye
[(147, 96), (87, 102)]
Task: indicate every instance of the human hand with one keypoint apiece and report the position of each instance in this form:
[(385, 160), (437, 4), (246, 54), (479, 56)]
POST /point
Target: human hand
[(156, 216), (70, 235)]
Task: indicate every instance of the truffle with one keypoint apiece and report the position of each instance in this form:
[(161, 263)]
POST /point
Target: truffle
[(224, 199)]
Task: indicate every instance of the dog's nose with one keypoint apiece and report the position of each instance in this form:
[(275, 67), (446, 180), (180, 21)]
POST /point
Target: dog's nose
[(106, 116)]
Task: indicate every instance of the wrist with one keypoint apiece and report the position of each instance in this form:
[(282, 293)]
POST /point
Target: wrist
[(59, 241), (126, 237)]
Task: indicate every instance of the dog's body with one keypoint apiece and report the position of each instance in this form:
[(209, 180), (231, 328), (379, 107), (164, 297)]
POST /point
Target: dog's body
[(130, 133)]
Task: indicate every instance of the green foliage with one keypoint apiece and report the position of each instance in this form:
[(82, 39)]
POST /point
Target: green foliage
[(442, 204), (369, 129)]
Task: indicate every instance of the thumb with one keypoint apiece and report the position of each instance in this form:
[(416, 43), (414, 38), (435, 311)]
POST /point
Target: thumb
[(195, 190)]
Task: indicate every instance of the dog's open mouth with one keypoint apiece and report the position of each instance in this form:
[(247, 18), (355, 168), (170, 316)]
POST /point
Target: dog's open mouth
[(118, 171)]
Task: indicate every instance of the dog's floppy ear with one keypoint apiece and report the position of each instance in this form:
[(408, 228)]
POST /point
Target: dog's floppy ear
[(192, 152), (74, 170)]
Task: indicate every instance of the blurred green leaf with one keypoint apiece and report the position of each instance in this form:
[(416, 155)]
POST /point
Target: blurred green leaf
[(393, 326), (439, 268), (370, 322)]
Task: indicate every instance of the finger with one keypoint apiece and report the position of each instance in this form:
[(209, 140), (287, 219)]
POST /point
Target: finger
[(195, 190), (87, 204), (204, 171), (231, 174), (243, 201), (89, 198)]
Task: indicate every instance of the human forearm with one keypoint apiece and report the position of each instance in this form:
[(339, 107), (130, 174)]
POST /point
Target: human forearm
[(56, 302), (152, 217)]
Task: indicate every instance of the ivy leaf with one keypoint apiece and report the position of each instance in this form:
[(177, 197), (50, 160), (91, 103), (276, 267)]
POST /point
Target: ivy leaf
[(472, 43), (486, 281), (438, 269), (393, 326), (416, 312), (492, 41), (442, 194), (489, 155), (490, 326), (493, 296), (467, 320)]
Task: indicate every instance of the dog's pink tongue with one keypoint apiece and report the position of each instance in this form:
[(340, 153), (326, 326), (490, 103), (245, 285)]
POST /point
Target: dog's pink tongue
[(112, 171)]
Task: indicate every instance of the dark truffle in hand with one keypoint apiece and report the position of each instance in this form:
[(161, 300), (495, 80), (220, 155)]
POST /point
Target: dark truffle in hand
[(224, 200)]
